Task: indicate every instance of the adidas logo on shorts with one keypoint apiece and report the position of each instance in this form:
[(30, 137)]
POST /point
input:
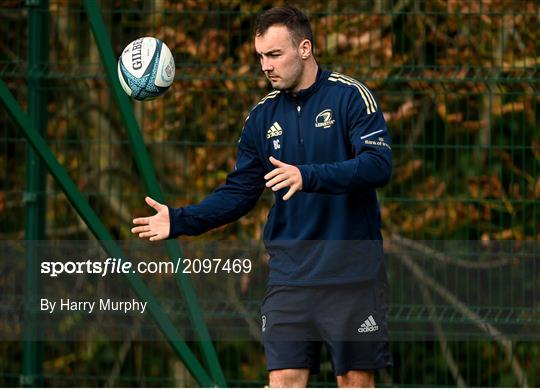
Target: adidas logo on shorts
[(369, 325)]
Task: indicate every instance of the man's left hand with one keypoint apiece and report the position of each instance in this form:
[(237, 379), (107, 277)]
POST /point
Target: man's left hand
[(284, 175)]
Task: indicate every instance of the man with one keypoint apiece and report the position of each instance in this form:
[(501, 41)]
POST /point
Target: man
[(319, 141)]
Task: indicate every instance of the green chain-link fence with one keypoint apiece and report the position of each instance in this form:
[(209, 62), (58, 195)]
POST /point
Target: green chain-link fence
[(458, 83)]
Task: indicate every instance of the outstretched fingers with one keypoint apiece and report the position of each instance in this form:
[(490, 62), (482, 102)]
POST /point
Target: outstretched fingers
[(140, 229), (147, 234), (284, 175), (275, 162), (153, 203), (273, 173), (290, 193), (141, 221), (155, 227), (281, 177), (158, 237)]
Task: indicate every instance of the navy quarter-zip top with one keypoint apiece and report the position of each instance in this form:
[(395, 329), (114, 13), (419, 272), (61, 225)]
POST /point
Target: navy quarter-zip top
[(329, 233)]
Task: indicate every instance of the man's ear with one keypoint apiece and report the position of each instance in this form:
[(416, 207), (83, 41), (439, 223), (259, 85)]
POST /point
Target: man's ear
[(305, 49)]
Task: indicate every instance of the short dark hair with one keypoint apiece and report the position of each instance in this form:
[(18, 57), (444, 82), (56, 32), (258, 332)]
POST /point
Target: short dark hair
[(291, 17)]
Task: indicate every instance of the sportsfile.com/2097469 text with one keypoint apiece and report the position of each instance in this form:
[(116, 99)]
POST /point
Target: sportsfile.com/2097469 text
[(113, 265)]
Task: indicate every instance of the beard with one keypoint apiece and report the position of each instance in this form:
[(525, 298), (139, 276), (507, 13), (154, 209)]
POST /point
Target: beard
[(290, 81)]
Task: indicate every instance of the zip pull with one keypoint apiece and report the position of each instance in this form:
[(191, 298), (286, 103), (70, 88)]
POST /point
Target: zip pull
[(300, 135)]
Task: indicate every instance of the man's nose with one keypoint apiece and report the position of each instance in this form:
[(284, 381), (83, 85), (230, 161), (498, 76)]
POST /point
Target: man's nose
[(266, 65)]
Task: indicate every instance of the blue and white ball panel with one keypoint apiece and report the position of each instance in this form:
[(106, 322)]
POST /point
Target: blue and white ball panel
[(143, 88), (146, 68), (166, 68), (138, 54), (123, 81)]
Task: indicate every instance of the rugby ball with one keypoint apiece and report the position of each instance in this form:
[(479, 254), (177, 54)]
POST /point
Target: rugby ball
[(146, 68)]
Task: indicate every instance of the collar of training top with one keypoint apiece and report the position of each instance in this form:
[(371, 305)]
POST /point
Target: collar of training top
[(304, 93)]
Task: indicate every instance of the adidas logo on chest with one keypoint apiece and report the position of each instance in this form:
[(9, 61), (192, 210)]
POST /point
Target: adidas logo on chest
[(274, 131)]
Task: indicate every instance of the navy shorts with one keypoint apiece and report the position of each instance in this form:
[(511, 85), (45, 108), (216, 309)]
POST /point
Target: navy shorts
[(349, 319)]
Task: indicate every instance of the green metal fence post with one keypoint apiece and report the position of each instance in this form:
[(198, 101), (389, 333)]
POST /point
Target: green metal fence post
[(34, 197), (94, 223), (145, 166)]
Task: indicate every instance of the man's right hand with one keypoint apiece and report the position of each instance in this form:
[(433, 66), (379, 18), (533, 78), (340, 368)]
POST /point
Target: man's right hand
[(156, 227)]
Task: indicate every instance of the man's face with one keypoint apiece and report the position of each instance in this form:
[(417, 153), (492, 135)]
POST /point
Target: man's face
[(280, 58)]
